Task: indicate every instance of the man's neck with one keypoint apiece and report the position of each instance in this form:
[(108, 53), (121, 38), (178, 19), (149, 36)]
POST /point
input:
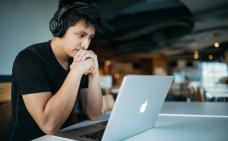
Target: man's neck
[(60, 55)]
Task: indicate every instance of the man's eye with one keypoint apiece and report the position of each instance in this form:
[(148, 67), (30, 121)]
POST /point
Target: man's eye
[(82, 35)]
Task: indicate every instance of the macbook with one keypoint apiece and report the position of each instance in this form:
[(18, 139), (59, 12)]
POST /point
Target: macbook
[(137, 106)]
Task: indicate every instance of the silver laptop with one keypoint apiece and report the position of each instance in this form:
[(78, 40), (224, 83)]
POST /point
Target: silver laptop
[(137, 106)]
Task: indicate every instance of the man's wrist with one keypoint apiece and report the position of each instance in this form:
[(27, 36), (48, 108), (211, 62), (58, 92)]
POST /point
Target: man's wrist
[(77, 70), (95, 73)]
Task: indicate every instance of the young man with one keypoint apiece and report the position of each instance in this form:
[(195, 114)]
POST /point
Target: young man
[(50, 78)]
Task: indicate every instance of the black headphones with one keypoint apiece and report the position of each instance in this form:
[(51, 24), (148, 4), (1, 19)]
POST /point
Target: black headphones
[(58, 24)]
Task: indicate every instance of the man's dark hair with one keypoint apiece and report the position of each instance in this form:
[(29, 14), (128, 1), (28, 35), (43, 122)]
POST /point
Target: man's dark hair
[(70, 12), (89, 13)]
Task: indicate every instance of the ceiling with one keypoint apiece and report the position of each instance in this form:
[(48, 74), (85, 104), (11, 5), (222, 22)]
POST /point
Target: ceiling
[(146, 28)]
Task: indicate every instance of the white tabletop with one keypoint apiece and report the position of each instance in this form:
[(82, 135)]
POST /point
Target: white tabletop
[(182, 128), (196, 108), (179, 121)]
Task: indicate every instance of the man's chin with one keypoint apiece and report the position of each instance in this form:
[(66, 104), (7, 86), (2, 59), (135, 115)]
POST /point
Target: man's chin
[(72, 54)]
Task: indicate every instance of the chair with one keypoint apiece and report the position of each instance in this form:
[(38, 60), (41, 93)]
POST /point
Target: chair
[(5, 92), (5, 106), (5, 110)]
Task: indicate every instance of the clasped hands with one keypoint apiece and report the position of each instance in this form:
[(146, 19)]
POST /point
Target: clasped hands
[(86, 61)]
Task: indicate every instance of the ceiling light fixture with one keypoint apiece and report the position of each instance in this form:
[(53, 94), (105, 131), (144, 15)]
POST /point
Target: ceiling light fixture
[(216, 45)]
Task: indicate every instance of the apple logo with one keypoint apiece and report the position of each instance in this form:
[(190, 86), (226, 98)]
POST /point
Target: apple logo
[(143, 107)]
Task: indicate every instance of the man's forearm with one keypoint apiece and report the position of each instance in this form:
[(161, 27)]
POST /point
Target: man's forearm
[(61, 104), (94, 99)]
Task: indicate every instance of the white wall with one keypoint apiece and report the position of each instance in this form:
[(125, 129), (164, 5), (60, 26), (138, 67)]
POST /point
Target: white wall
[(22, 23)]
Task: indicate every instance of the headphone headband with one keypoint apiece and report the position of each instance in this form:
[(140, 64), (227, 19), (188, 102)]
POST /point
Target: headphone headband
[(68, 7)]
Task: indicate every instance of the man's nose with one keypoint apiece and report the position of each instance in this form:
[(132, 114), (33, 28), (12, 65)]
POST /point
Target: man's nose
[(85, 44)]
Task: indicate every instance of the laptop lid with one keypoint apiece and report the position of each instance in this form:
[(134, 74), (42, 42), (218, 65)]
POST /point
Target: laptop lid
[(137, 106)]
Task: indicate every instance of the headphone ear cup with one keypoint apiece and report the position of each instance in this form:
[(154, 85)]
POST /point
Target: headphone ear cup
[(57, 27), (62, 27), (54, 26)]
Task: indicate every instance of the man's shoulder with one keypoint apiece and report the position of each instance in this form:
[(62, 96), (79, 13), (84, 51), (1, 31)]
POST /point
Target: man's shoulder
[(38, 49)]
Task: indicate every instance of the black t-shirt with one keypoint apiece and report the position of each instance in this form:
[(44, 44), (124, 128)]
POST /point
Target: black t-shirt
[(35, 70)]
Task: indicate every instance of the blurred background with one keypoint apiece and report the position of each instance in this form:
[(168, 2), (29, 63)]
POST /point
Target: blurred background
[(184, 38)]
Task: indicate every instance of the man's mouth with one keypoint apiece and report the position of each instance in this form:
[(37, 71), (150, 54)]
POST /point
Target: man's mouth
[(76, 49), (74, 52)]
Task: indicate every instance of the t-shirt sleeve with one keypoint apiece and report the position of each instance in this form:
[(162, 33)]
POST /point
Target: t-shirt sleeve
[(29, 73)]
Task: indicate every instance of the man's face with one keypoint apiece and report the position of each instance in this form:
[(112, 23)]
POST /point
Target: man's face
[(77, 37)]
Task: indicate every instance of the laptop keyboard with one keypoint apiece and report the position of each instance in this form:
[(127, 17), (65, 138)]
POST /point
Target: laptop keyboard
[(96, 136)]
